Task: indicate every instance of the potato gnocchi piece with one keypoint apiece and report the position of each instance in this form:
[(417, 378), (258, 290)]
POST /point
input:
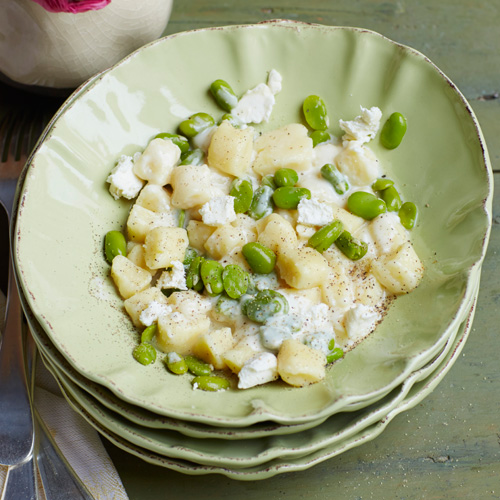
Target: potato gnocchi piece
[(401, 271), (276, 233), (211, 346), (231, 149), (136, 255), (139, 302), (154, 198), (163, 245), (302, 267), (141, 221), (156, 163), (300, 365), (198, 233), (128, 277), (225, 239), (286, 147), (359, 163)]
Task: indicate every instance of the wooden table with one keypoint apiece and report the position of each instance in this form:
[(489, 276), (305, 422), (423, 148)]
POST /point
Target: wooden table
[(448, 447)]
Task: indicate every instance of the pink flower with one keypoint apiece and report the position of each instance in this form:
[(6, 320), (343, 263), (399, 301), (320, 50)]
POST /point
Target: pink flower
[(73, 6)]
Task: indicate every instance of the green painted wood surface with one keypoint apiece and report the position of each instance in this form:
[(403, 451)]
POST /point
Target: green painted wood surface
[(447, 447)]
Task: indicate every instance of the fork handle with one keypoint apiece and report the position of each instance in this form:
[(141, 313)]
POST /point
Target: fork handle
[(20, 482), (16, 420)]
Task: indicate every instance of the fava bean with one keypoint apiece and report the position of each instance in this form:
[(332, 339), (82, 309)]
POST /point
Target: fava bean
[(365, 205), (382, 183), (286, 177), (235, 281), (315, 112), (265, 304), (211, 274), (195, 124), (193, 157), (193, 277), (289, 197), (408, 214), (189, 255), (335, 178), (145, 353), (393, 131), (334, 354), (268, 180), (182, 218), (176, 363), (181, 142), (149, 333), (319, 136), (262, 203), (351, 247), (242, 191), (211, 383), (324, 238), (391, 198), (114, 244), (231, 119), (259, 257), (197, 366), (224, 95)]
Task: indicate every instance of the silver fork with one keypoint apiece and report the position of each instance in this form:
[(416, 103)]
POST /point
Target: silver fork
[(17, 437)]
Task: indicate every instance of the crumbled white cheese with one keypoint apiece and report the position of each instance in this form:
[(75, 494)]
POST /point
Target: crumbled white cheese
[(256, 105), (155, 164), (218, 211), (154, 310), (174, 277), (279, 328), (202, 140), (364, 127), (314, 213), (361, 320), (123, 182), (258, 370), (319, 341)]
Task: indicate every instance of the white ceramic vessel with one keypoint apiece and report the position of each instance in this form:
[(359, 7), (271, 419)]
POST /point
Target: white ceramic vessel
[(62, 50)]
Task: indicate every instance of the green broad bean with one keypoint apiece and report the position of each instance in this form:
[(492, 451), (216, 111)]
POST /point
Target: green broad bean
[(338, 180), (211, 275), (189, 256), (319, 136), (193, 157), (382, 183), (180, 141), (408, 214), (231, 119), (391, 198), (365, 205), (351, 247), (289, 197), (286, 177), (148, 334), (193, 277), (197, 366), (259, 257), (393, 131), (176, 363), (195, 124), (264, 304), (315, 112), (223, 94), (211, 383), (334, 354), (268, 180), (324, 238), (262, 203), (145, 353), (235, 281), (114, 244), (182, 218), (331, 345), (242, 191)]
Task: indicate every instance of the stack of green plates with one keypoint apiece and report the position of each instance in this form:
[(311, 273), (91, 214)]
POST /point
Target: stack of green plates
[(77, 318)]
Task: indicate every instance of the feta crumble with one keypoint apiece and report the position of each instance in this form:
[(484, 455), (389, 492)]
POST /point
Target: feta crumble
[(364, 127), (154, 310), (173, 277), (258, 370), (256, 105), (314, 213), (218, 211), (123, 182), (361, 320)]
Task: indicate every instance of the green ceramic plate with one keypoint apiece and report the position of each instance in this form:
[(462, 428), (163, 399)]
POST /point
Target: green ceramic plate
[(328, 440), (65, 208)]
